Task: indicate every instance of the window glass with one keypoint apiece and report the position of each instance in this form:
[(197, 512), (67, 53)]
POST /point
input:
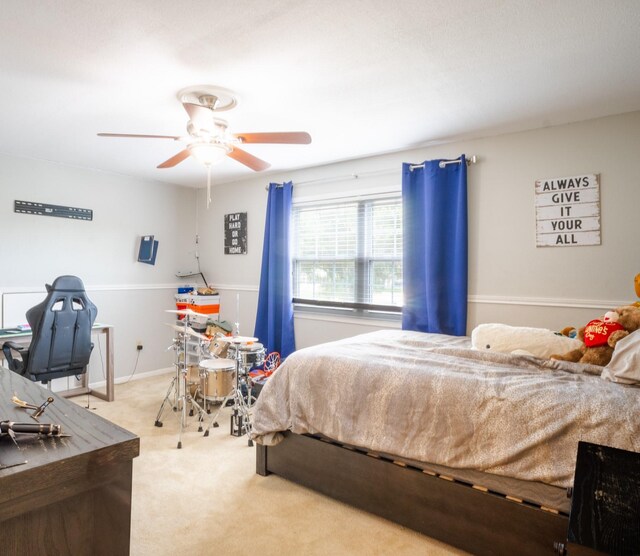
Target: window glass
[(348, 252)]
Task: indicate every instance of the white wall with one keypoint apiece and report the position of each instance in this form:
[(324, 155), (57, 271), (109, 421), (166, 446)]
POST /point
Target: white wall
[(510, 279), (130, 295)]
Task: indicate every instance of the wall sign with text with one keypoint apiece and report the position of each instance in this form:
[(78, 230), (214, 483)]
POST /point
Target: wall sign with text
[(568, 211), (235, 233)]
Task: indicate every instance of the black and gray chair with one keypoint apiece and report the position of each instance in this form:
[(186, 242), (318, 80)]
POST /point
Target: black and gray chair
[(61, 334)]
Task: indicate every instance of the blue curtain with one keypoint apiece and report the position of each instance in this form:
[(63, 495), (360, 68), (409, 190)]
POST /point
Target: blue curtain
[(434, 267), (274, 321)]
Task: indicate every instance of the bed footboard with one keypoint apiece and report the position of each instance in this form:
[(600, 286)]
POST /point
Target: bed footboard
[(458, 514)]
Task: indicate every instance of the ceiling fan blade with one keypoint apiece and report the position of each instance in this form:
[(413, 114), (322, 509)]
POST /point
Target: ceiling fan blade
[(175, 137), (249, 160), (201, 116), (175, 159), (291, 137)]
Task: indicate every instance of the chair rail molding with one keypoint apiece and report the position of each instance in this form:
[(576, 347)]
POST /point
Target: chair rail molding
[(547, 302), (237, 287), (104, 287)]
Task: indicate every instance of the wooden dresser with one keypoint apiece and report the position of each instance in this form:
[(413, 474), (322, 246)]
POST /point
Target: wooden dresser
[(73, 496)]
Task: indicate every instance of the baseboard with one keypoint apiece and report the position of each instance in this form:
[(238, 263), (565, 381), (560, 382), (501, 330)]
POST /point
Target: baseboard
[(135, 376)]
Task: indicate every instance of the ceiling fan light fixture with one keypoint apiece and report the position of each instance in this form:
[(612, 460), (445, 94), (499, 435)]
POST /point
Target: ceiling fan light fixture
[(215, 98), (208, 138), (208, 154)]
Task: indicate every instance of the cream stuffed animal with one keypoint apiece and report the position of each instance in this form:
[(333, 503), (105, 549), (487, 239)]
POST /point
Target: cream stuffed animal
[(521, 340)]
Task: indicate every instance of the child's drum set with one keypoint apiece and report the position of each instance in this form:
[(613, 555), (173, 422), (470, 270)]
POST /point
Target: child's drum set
[(221, 377)]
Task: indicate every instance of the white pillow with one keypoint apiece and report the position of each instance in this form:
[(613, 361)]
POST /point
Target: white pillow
[(624, 366), (521, 340)]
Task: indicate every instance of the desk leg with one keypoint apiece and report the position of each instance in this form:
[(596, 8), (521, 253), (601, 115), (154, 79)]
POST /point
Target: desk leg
[(109, 396), (110, 369)]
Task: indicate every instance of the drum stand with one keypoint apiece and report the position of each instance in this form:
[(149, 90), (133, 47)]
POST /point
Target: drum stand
[(240, 416), (180, 388), (174, 386)]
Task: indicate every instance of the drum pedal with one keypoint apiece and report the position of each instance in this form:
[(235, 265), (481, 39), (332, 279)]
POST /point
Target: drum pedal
[(237, 425)]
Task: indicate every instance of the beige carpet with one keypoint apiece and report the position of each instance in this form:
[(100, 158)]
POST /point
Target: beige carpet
[(207, 499)]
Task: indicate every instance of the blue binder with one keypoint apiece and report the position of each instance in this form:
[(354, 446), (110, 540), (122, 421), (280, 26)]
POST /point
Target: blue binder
[(148, 250)]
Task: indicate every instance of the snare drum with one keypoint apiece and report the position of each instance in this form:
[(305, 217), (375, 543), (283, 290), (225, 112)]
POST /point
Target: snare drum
[(251, 355), (220, 378)]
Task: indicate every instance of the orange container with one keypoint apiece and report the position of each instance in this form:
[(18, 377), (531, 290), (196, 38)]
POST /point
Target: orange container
[(182, 303), (205, 304), (205, 309)]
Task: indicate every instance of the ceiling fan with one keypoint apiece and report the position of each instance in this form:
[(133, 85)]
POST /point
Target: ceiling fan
[(208, 139)]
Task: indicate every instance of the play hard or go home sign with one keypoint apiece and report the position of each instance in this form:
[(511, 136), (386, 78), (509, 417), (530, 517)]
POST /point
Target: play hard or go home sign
[(235, 233), (568, 211)]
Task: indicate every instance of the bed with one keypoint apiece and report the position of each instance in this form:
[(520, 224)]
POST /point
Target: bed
[(474, 448)]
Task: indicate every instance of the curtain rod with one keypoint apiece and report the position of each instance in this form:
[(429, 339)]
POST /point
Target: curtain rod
[(353, 176), (471, 160)]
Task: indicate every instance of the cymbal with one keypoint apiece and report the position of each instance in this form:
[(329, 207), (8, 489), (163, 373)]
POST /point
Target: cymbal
[(187, 330), (237, 339), (182, 312)]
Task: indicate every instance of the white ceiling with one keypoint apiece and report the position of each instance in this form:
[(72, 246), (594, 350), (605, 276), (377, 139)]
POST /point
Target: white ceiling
[(362, 77)]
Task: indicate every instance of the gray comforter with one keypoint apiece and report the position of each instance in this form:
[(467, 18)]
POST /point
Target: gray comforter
[(429, 397)]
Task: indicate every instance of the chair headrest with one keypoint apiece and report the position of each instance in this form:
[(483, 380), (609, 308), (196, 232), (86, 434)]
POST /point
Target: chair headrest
[(66, 284)]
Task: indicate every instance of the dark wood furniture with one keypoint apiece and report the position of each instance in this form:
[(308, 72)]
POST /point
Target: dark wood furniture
[(74, 494), (459, 514), (605, 508)]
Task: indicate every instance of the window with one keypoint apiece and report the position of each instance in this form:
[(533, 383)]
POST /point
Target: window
[(348, 254)]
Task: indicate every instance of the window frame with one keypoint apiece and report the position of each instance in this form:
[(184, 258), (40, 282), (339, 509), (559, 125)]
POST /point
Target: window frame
[(362, 263)]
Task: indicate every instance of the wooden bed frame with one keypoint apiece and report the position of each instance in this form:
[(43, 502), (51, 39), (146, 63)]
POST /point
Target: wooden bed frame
[(465, 516)]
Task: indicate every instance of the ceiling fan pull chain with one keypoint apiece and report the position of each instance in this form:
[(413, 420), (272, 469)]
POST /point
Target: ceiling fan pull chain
[(208, 185)]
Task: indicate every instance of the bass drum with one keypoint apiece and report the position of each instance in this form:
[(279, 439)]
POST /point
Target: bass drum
[(193, 374)]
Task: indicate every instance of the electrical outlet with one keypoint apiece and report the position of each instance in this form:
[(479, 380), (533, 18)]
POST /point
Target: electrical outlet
[(139, 345)]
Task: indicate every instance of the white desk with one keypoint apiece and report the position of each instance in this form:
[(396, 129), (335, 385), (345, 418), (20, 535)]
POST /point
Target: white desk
[(105, 329)]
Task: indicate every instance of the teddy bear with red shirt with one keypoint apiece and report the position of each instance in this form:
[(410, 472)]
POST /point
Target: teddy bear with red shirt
[(601, 335)]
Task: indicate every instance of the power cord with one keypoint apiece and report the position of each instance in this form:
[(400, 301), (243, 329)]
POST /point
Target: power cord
[(135, 367)]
